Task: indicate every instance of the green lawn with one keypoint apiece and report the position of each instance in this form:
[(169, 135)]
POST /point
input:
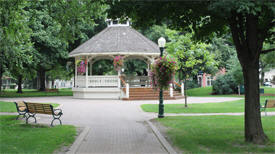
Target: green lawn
[(16, 137), (207, 91), (10, 106), (224, 107), (35, 93), (269, 90), (215, 134)]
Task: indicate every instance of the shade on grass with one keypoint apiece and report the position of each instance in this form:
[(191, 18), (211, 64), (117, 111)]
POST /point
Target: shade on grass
[(224, 107), (10, 106), (207, 92), (216, 134), (16, 137), (35, 93)]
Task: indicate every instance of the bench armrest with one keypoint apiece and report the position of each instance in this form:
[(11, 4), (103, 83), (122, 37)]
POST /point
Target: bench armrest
[(57, 111)]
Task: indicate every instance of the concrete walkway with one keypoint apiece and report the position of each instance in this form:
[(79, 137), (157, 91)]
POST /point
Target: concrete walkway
[(114, 126)]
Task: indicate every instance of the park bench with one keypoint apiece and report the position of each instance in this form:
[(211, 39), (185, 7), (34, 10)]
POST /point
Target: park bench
[(39, 108), (21, 109), (268, 104)]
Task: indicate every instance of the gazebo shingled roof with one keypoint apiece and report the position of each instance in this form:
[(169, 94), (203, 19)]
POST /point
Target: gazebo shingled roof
[(117, 40)]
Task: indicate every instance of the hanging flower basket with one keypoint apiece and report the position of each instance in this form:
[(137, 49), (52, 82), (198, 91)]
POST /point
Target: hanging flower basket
[(118, 62), (162, 72), (81, 66)]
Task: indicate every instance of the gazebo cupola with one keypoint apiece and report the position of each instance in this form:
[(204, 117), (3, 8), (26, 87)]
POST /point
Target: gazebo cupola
[(117, 39)]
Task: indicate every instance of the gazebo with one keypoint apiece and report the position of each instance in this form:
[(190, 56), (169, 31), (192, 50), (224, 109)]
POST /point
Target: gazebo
[(118, 39)]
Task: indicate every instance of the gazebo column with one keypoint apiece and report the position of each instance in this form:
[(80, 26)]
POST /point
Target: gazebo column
[(91, 67), (119, 73), (75, 76), (148, 73), (86, 83)]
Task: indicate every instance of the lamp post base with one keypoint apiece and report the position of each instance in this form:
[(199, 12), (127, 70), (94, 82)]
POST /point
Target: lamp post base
[(160, 116)]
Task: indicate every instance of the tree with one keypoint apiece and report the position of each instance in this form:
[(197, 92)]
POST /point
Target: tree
[(50, 48), (53, 35), (224, 50), (103, 67), (155, 32), (135, 67), (192, 57), (250, 23), (61, 71), (236, 70), (15, 45)]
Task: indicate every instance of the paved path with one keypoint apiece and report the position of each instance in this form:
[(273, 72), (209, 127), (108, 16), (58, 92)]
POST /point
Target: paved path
[(115, 126)]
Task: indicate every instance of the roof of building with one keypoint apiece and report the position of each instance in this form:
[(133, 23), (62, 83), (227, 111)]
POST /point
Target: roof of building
[(117, 40)]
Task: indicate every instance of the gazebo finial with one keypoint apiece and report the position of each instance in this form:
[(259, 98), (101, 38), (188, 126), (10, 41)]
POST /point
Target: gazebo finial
[(117, 22)]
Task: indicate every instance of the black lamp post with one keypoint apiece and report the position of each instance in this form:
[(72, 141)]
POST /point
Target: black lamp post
[(161, 43)]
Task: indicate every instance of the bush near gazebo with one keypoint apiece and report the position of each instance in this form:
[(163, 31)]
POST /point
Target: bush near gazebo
[(162, 72)]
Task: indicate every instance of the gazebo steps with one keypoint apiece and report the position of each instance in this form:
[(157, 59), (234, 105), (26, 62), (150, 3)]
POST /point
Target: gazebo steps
[(151, 94)]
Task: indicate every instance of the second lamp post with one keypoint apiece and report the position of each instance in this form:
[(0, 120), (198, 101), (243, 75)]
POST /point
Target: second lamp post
[(161, 43)]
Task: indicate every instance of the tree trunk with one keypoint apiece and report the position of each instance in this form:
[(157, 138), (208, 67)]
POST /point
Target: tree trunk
[(262, 77), (248, 43), (42, 79), (53, 84), (185, 94), (253, 124), (19, 84)]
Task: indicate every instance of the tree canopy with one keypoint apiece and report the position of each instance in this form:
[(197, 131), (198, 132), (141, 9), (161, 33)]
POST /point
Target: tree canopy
[(42, 33)]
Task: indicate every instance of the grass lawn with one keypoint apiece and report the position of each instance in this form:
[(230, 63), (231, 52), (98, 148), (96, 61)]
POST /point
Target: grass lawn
[(215, 134), (207, 91), (269, 90), (224, 107), (204, 91), (35, 93), (16, 137), (10, 106)]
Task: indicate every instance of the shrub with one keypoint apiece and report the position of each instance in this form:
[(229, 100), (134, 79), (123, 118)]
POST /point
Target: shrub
[(225, 84), (190, 84)]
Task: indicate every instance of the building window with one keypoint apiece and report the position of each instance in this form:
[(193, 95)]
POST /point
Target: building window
[(209, 81)]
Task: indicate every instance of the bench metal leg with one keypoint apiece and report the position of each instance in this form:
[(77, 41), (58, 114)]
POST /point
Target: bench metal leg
[(21, 113), (30, 115), (56, 119)]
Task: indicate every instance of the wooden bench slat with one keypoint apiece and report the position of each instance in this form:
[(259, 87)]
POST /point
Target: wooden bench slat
[(40, 108)]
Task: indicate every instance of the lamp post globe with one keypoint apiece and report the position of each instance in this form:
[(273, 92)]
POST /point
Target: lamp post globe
[(161, 43)]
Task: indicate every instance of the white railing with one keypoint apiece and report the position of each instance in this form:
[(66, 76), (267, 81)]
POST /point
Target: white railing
[(137, 81), (97, 81), (103, 81)]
